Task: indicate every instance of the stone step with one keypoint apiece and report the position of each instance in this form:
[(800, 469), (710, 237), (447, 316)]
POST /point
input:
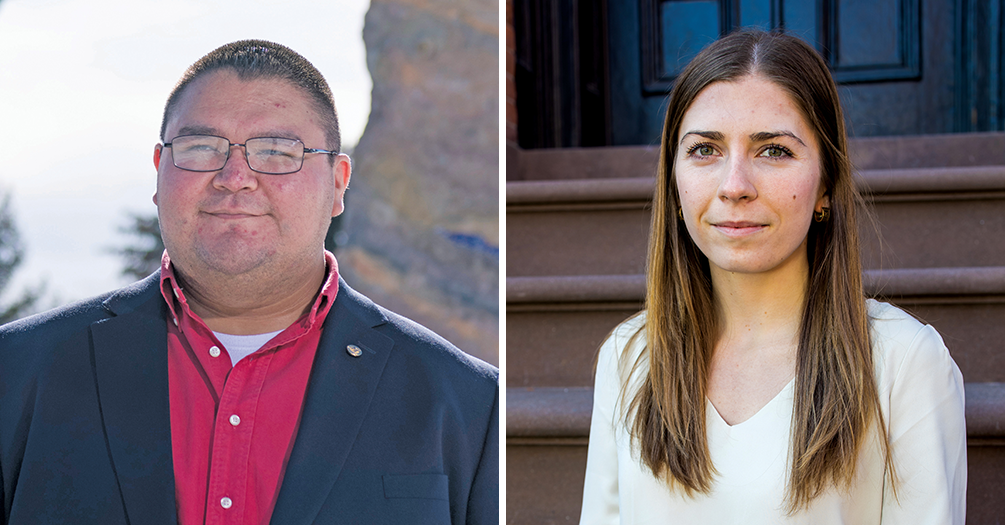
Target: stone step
[(902, 152), (556, 324), (924, 218), (547, 431)]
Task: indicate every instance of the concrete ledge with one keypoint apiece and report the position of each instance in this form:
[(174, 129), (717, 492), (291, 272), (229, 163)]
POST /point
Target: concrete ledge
[(580, 191), (547, 412), (874, 183), (611, 162), (872, 153), (909, 282), (985, 410), (579, 288), (933, 180)]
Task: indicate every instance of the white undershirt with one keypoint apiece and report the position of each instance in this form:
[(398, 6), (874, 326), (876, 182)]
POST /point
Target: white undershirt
[(241, 346)]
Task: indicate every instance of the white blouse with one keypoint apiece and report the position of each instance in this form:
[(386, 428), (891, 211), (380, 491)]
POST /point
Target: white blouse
[(921, 397)]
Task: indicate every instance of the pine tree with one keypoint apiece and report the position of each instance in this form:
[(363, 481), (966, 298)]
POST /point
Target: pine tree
[(143, 257), (11, 254)]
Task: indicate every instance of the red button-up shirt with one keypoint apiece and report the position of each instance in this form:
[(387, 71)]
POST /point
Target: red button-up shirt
[(233, 427)]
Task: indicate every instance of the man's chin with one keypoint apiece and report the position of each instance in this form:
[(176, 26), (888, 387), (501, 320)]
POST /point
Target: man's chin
[(234, 261)]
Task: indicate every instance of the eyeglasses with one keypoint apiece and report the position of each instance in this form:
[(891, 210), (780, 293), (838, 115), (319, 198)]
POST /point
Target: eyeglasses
[(272, 155)]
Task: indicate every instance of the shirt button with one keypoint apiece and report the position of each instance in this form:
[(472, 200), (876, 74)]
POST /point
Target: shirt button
[(214, 351), (225, 502), (235, 420)]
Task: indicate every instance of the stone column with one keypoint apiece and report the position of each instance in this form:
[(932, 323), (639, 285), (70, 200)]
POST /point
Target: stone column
[(421, 229)]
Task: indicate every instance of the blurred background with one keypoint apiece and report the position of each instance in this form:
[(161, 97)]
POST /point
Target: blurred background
[(82, 89)]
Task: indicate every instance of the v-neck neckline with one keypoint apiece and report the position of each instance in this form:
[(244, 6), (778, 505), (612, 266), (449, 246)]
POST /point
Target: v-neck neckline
[(788, 386)]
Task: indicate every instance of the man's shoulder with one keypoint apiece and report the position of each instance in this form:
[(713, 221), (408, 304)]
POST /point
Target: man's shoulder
[(430, 345), (69, 317), (40, 329), (420, 346)]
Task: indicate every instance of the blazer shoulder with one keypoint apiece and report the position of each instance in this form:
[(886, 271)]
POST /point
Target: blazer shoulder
[(419, 345), (415, 337), (40, 333), (68, 318)]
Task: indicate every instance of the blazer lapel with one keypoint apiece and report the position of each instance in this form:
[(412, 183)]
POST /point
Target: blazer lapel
[(338, 397), (130, 364)]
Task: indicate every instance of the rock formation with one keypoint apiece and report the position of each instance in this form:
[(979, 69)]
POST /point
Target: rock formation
[(421, 230)]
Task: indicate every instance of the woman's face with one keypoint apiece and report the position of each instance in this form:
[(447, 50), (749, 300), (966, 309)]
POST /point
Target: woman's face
[(748, 175)]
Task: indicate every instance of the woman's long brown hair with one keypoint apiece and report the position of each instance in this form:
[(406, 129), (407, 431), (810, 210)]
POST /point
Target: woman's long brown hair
[(836, 401)]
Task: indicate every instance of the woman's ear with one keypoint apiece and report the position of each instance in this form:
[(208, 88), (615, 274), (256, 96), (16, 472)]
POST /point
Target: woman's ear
[(823, 202)]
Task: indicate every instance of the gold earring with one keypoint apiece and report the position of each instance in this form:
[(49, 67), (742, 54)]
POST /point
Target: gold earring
[(823, 215)]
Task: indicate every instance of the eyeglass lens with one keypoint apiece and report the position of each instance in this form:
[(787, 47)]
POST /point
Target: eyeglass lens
[(209, 153)]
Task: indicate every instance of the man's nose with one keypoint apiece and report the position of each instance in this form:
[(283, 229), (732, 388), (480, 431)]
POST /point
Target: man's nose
[(236, 175)]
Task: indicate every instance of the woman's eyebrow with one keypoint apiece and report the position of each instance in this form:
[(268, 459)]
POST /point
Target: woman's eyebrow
[(710, 135), (764, 136)]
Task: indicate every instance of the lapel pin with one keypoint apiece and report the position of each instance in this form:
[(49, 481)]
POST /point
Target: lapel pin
[(354, 350)]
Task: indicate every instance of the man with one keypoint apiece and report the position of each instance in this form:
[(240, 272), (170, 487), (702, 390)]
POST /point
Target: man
[(244, 382)]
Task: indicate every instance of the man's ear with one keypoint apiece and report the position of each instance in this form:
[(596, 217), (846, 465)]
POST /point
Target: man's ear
[(158, 149), (342, 172)]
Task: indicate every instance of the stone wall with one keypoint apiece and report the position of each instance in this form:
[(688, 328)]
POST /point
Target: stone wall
[(421, 229)]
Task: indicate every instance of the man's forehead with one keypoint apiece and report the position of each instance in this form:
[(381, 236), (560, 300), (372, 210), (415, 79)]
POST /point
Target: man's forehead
[(228, 75), (223, 90), (268, 131)]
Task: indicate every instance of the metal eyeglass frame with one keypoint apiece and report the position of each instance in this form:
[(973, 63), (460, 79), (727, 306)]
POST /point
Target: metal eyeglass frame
[(246, 159)]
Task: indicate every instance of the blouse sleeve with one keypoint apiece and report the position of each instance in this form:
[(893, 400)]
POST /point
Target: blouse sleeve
[(928, 437), (600, 491)]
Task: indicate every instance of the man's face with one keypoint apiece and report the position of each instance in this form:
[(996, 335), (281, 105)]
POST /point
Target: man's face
[(235, 221)]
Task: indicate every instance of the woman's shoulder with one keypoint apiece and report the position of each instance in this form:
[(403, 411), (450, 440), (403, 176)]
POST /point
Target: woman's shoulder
[(629, 335), (623, 346), (900, 340), (628, 327), (892, 326)]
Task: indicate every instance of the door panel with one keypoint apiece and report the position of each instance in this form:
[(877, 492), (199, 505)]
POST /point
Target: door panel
[(899, 63)]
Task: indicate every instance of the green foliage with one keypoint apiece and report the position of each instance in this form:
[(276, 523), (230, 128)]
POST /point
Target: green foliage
[(11, 254), (144, 257)]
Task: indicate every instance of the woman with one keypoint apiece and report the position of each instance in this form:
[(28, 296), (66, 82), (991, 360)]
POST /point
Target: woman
[(759, 386)]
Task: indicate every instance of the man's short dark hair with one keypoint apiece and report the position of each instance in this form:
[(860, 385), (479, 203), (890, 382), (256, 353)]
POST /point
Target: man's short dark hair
[(261, 59)]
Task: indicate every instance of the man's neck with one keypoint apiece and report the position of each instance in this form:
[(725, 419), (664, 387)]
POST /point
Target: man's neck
[(251, 306)]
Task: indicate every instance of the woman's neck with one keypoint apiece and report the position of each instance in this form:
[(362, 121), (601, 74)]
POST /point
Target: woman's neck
[(761, 307), (755, 353)]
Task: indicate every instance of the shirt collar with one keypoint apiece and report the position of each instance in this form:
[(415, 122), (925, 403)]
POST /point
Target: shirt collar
[(178, 307)]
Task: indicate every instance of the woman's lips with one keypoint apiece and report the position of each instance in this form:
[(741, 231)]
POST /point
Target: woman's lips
[(738, 228)]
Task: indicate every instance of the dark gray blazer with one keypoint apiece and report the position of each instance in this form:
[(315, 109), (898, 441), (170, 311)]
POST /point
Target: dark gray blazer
[(406, 433)]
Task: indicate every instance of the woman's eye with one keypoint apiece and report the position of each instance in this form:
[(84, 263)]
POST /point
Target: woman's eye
[(702, 150), (776, 151)]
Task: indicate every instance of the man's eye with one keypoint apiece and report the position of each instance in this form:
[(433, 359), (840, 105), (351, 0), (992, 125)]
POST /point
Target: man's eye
[(198, 149), (273, 153)]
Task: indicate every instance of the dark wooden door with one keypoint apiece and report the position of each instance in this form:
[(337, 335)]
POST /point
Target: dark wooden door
[(904, 67)]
